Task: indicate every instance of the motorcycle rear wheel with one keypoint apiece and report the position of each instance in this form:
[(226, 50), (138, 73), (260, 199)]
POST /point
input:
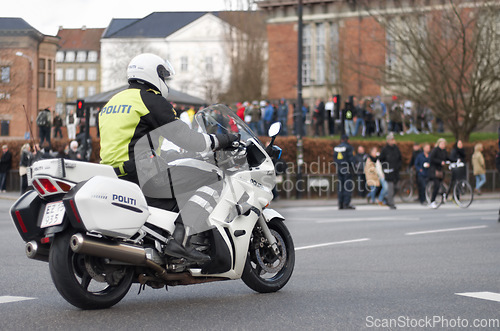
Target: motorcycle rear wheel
[(261, 273), (71, 274)]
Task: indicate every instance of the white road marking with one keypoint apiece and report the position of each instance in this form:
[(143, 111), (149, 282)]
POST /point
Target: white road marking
[(7, 299), (333, 243), (482, 295), (447, 230), (370, 219), (469, 214)]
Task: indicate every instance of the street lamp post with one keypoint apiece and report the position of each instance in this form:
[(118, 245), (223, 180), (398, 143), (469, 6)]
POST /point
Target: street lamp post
[(29, 119), (298, 110)]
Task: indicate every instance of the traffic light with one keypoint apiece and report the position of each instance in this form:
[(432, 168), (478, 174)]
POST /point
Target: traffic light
[(336, 106), (80, 110)]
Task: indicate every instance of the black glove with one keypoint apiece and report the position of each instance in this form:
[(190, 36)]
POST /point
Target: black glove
[(225, 140)]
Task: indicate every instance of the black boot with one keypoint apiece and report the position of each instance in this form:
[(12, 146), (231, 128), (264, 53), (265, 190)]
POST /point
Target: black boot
[(175, 248)]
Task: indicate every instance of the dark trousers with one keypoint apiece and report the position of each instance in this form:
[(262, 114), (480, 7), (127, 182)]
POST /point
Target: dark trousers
[(3, 180), (57, 129), (437, 184), (421, 182), (346, 186), (44, 135)]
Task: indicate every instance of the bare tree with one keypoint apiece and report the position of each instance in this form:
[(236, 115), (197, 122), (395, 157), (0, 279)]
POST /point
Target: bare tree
[(246, 47), (446, 56)]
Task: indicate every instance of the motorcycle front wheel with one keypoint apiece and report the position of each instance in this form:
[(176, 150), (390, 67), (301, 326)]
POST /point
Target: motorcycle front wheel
[(84, 281), (266, 272)]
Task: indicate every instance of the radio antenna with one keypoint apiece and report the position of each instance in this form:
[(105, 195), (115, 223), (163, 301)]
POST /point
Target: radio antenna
[(29, 126)]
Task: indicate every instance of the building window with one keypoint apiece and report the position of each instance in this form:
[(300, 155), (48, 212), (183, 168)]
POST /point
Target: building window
[(81, 56), (80, 74), (5, 72), (41, 79), (59, 92), (59, 74), (320, 53), (333, 55), (60, 56), (92, 56), (184, 63), (69, 92), (70, 74), (70, 56), (92, 74), (306, 54), (59, 108), (80, 92), (91, 91)]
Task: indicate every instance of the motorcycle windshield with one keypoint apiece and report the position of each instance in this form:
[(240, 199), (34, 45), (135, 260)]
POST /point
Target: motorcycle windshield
[(175, 164)]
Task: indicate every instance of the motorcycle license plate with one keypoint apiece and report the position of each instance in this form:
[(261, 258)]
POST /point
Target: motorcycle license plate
[(53, 214)]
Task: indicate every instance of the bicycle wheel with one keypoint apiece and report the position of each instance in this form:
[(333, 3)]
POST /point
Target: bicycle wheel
[(440, 197), (406, 190), (463, 193)]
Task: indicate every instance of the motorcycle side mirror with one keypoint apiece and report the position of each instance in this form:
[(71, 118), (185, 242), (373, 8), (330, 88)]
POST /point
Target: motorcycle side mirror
[(274, 129)]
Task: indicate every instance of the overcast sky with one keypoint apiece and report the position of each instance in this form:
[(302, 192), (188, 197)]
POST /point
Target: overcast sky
[(47, 15)]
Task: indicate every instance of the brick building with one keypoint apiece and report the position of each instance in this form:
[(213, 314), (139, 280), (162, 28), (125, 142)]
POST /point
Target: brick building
[(78, 67), (27, 64)]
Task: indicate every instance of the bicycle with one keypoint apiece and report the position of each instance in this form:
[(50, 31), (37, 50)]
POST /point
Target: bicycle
[(406, 188), (463, 194)]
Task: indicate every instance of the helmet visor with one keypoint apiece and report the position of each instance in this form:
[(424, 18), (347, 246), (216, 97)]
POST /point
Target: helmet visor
[(165, 71)]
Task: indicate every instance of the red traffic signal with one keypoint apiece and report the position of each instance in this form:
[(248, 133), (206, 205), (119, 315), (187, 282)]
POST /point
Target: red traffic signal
[(80, 110)]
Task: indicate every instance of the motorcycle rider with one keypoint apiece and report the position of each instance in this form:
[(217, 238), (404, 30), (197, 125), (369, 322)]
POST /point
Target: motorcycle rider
[(138, 110)]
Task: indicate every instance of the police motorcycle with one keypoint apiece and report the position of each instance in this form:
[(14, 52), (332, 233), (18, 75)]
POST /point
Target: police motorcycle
[(99, 235)]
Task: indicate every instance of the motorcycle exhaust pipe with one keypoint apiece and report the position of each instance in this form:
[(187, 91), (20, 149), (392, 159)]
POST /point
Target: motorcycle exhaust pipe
[(116, 251), (36, 252)]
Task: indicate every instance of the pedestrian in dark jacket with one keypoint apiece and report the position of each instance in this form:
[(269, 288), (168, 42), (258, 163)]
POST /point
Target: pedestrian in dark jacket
[(57, 123), (390, 157), (359, 170), (422, 163), (343, 158), (5, 165), (438, 159), (457, 154), (25, 161), (319, 118)]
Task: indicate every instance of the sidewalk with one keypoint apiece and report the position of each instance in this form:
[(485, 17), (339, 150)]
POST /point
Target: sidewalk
[(293, 203)]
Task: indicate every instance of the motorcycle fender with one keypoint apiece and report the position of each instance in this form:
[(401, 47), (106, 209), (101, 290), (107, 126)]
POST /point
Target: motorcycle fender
[(270, 214)]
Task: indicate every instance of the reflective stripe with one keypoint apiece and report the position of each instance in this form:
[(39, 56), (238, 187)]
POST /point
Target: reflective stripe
[(202, 203), (210, 191)]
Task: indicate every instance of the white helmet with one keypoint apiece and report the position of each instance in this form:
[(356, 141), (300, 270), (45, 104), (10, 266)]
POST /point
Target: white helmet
[(151, 69)]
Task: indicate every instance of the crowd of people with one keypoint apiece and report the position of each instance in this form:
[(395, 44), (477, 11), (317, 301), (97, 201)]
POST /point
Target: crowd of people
[(375, 174)]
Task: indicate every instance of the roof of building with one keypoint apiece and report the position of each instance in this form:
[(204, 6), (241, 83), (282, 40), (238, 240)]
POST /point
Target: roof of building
[(174, 96), (18, 26), (14, 23), (155, 25), (84, 39)]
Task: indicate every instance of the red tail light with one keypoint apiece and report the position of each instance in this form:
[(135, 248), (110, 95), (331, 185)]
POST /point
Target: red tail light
[(38, 187), (47, 185), (20, 221), (65, 187)]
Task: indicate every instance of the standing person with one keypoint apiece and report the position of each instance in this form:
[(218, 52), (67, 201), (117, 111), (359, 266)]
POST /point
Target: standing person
[(359, 170), (74, 153), (5, 165), (57, 123), (390, 157), (457, 154), (438, 158), (359, 111), (240, 111), (43, 120), (330, 116), (268, 116), (378, 115), (283, 116), (375, 177), (349, 119), (71, 123), (343, 157), (26, 160), (422, 167), (319, 118), (479, 167), (254, 112), (149, 109)]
